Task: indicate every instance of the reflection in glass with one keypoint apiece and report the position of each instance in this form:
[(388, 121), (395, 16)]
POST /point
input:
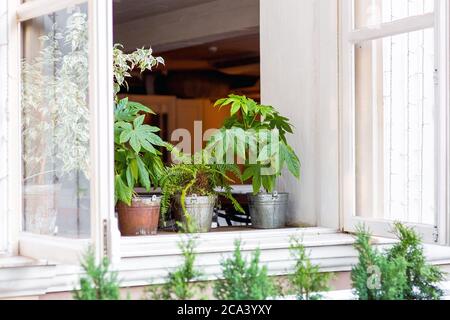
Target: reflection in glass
[(55, 119), (395, 112), (369, 13)]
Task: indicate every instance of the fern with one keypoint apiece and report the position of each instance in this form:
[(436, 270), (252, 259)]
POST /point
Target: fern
[(186, 179)]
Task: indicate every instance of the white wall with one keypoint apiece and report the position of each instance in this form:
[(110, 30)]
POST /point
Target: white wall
[(3, 124), (299, 65)]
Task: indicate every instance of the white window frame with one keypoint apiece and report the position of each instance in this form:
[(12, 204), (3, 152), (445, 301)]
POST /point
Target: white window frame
[(348, 38), (101, 135), (4, 232)]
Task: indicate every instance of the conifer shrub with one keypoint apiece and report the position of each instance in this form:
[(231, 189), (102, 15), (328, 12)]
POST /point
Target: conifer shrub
[(99, 282), (422, 278), (244, 279), (398, 273), (181, 284), (307, 282)]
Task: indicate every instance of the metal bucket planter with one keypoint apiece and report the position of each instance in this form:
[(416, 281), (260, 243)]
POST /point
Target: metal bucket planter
[(141, 218), (200, 209), (40, 208), (268, 211)]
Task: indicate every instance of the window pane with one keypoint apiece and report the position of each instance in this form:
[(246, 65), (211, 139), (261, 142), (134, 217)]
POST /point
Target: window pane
[(395, 128), (373, 12), (55, 118)]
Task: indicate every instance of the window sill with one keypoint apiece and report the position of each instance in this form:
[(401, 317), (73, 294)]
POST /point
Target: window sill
[(146, 260)]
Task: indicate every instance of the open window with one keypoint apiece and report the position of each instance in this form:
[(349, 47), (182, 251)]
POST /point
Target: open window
[(394, 115), (206, 60), (61, 127)]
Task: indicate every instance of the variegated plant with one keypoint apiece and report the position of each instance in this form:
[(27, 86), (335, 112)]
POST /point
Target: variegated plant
[(124, 63), (55, 98), (138, 161), (55, 103)]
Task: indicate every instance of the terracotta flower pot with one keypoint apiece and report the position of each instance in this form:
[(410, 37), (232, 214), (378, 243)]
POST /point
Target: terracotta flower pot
[(141, 218)]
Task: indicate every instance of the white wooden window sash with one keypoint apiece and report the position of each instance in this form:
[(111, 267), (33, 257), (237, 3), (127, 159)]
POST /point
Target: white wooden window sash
[(101, 135), (349, 38)]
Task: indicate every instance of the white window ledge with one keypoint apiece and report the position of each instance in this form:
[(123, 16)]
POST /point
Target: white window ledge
[(147, 260)]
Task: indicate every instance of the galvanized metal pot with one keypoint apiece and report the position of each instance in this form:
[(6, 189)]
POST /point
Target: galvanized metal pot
[(141, 218), (268, 211), (200, 210)]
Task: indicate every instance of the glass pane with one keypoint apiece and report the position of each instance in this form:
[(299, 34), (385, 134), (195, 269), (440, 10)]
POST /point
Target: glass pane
[(395, 133), (55, 119), (374, 12)]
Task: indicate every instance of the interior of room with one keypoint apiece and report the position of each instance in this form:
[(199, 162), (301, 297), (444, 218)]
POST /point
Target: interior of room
[(204, 60)]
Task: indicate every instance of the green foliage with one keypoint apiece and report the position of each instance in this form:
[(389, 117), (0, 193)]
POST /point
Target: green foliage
[(377, 277), (244, 280), (99, 283), (180, 284), (251, 124), (422, 278), (124, 63), (54, 99), (137, 159), (398, 273), (201, 179), (307, 281)]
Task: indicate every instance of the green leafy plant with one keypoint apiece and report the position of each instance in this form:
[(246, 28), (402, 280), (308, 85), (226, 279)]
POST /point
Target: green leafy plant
[(307, 282), (99, 283), (377, 277), (124, 63), (399, 273), (422, 278), (251, 125), (180, 284), (244, 280), (55, 103), (137, 158), (138, 161), (193, 178)]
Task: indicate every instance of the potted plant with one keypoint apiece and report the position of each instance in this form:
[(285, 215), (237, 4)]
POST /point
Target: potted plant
[(256, 134), (192, 190), (137, 164), (137, 158)]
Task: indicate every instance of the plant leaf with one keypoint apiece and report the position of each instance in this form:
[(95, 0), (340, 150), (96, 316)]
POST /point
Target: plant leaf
[(144, 177), (123, 192)]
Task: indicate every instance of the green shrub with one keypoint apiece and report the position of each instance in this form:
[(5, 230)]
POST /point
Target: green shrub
[(376, 277), (99, 283), (399, 273), (422, 279), (244, 280), (180, 284), (307, 281)]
